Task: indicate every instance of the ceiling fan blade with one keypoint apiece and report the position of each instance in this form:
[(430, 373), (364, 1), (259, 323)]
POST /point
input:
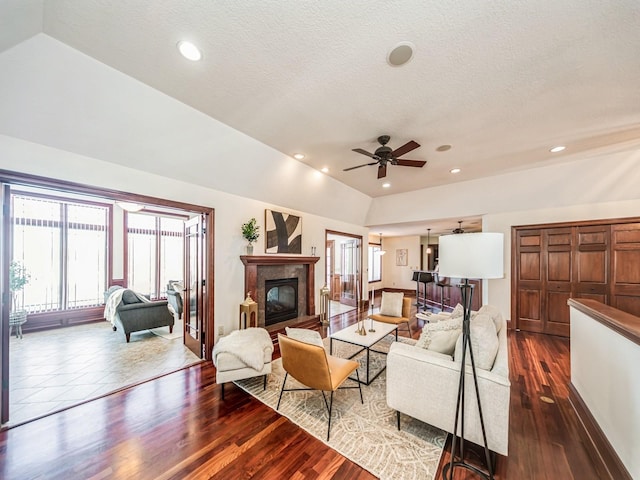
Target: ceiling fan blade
[(364, 152), (382, 171), (363, 165), (406, 148), (411, 163)]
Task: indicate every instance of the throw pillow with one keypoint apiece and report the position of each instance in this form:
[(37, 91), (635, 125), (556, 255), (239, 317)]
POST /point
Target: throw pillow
[(494, 313), (484, 343), (305, 335), (128, 297), (458, 311), (441, 336), (391, 304)]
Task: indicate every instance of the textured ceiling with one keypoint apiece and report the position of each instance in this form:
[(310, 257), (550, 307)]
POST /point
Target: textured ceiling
[(500, 81)]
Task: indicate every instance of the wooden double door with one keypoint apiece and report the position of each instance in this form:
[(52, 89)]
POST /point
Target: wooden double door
[(555, 263)]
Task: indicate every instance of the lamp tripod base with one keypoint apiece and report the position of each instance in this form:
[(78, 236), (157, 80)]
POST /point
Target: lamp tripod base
[(457, 461), (447, 470)]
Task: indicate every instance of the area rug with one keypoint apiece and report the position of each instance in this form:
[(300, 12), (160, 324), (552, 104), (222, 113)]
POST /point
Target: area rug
[(164, 331), (365, 434)]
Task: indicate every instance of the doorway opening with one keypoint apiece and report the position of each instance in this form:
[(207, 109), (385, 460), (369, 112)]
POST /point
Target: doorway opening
[(343, 270)]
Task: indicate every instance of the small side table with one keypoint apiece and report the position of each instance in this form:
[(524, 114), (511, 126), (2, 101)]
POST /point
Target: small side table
[(17, 319)]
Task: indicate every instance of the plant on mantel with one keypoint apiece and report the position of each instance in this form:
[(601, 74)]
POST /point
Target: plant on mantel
[(251, 233)]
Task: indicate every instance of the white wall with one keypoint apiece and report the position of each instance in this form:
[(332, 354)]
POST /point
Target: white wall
[(605, 178), (604, 372), (394, 276), (51, 94), (230, 212)]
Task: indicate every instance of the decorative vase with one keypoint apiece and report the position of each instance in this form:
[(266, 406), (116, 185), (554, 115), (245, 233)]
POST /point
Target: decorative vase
[(250, 249)]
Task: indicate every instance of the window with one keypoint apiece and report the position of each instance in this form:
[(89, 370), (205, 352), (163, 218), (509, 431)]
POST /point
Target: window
[(375, 263), (63, 246), (155, 252)]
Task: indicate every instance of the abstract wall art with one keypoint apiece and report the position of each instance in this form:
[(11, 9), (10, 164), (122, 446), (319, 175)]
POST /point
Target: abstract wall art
[(284, 232)]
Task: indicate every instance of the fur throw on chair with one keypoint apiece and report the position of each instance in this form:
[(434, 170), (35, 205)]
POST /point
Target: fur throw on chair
[(246, 345)]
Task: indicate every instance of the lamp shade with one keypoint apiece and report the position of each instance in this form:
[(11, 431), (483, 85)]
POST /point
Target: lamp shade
[(472, 255)]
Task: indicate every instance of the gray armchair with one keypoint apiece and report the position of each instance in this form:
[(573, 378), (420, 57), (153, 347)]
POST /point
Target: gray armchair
[(134, 315), (174, 297)]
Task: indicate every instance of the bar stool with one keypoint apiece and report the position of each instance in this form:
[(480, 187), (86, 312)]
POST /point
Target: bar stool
[(442, 282)]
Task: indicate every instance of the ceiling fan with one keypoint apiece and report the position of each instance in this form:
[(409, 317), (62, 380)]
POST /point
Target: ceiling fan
[(384, 155)]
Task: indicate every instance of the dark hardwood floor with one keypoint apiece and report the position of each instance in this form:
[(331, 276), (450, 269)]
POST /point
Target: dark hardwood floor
[(177, 427)]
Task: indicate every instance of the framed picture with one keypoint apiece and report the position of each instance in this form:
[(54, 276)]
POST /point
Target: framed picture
[(283, 232), (402, 255)]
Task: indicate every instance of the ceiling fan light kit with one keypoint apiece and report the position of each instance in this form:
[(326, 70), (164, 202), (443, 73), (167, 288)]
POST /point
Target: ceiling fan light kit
[(384, 156)]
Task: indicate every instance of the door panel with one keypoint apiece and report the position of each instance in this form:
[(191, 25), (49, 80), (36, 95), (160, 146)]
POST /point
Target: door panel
[(558, 313), (625, 267), (558, 245), (529, 275), (592, 263), (193, 310), (559, 266), (530, 308), (530, 266)]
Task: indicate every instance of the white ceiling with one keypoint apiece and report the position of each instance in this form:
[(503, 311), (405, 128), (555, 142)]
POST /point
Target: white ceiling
[(500, 81)]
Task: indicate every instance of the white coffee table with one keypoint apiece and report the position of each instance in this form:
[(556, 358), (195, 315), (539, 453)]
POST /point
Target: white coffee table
[(350, 335)]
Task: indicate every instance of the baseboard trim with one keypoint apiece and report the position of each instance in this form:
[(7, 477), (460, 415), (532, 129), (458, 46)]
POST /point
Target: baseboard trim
[(596, 441)]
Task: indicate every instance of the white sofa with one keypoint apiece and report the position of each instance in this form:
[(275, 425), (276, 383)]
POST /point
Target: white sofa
[(424, 384)]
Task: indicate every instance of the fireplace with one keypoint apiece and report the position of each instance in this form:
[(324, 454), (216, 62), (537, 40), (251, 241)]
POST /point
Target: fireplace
[(281, 300), (262, 268)]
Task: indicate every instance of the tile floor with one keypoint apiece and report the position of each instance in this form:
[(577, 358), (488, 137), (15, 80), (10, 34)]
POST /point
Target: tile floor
[(58, 368)]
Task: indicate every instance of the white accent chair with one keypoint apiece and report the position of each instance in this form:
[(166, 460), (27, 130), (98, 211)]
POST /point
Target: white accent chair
[(230, 366)]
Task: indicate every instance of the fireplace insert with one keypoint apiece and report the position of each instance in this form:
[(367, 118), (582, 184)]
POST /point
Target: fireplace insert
[(281, 300)]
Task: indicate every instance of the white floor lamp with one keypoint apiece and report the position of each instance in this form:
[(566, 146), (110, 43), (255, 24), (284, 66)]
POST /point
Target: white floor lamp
[(469, 256)]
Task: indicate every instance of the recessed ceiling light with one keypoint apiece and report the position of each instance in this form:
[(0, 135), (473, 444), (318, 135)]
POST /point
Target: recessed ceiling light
[(455, 170), (443, 148), (324, 170), (400, 54), (298, 156), (386, 185), (189, 50), (557, 149)]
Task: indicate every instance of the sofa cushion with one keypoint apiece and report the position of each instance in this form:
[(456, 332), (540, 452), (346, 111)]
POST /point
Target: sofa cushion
[(391, 304), (494, 313), (441, 336), (484, 343), (305, 335)]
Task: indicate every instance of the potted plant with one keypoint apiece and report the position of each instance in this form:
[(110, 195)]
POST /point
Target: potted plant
[(18, 278), (251, 232)]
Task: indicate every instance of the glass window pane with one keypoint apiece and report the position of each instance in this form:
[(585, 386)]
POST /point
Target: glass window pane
[(375, 263), (41, 227), (142, 263)]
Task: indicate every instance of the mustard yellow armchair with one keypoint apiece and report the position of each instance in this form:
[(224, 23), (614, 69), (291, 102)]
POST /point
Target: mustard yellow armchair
[(310, 365), (406, 315)]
